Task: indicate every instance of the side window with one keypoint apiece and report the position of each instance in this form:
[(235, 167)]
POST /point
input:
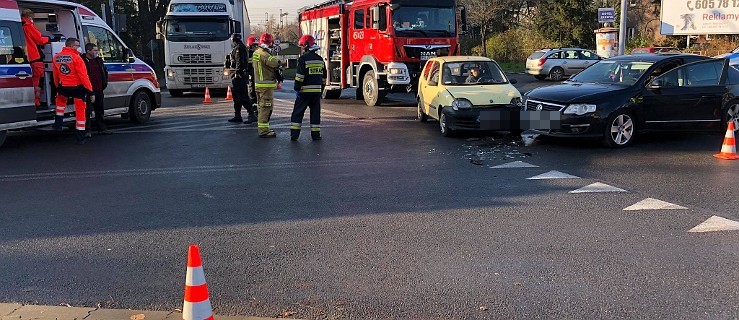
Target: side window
[(704, 74), (733, 77), (11, 44), (383, 18), (587, 55), (556, 55), (359, 19), (435, 71), (571, 54), (427, 71), (111, 50), (368, 20)]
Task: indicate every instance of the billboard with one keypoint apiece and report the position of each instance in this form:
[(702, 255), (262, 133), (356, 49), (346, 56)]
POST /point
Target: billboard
[(686, 17)]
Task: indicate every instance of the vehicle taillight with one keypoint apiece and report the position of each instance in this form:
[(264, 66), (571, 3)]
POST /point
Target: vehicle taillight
[(542, 61)]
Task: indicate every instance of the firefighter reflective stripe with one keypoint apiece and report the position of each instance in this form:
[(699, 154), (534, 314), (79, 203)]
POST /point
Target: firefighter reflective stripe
[(263, 125), (311, 89), (299, 77), (315, 127), (80, 125), (60, 110), (263, 84), (295, 126)]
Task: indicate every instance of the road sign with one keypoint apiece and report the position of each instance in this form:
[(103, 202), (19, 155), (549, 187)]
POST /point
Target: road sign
[(606, 15), (688, 17)]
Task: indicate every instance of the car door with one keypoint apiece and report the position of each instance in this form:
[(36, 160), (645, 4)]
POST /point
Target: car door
[(571, 62), (430, 88), (686, 98), (120, 71), (16, 86), (588, 58)]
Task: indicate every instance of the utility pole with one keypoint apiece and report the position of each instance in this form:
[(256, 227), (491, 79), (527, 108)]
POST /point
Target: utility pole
[(622, 31)]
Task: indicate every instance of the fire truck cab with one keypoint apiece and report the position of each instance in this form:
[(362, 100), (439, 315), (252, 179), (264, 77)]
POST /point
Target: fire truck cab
[(380, 46)]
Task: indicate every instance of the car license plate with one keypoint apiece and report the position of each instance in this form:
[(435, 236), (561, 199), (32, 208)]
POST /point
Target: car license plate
[(425, 55), (198, 85)]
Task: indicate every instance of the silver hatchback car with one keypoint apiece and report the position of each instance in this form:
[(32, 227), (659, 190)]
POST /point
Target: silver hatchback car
[(559, 63)]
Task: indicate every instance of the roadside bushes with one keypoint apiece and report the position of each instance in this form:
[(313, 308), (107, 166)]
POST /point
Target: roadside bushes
[(514, 45)]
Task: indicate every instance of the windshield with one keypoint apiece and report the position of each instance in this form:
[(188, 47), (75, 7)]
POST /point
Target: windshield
[(624, 73), (424, 22), (472, 73), (197, 29)]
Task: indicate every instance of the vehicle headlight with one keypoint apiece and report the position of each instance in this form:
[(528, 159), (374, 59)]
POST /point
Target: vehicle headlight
[(517, 102), (580, 109), (397, 71), (170, 73), (226, 72), (461, 104)]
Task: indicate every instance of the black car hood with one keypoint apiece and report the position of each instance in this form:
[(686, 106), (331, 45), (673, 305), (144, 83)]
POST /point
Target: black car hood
[(574, 92)]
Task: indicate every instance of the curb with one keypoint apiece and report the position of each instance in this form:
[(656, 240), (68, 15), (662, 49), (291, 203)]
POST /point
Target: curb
[(16, 311)]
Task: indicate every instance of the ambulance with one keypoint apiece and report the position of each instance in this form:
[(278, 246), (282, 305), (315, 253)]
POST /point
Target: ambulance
[(133, 90)]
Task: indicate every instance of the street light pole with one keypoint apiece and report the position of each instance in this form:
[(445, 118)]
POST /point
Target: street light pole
[(622, 31)]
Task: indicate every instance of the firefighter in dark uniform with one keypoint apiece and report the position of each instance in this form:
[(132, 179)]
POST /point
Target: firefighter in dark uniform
[(252, 44), (310, 79), (239, 63)]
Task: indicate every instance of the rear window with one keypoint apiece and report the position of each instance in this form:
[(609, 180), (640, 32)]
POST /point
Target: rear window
[(536, 55)]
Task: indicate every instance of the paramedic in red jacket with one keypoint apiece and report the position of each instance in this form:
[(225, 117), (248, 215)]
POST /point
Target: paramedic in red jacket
[(71, 81), (34, 40)]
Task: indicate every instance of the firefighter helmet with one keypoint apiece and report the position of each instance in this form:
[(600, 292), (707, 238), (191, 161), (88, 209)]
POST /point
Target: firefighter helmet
[(306, 41), (266, 39), (251, 41)]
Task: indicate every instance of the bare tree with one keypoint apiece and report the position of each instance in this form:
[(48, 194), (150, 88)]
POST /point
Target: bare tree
[(486, 15)]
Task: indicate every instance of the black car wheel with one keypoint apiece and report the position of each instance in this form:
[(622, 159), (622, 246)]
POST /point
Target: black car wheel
[(140, 109), (557, 74), (620, 129), (444, 125), (540, 77), (731, 114), (422, 116)]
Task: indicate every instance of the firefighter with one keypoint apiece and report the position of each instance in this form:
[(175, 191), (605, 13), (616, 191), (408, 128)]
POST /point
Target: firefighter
[(252, 45), (34, 43), (310, 79), (265, 66), (239, 62), (72, 82)]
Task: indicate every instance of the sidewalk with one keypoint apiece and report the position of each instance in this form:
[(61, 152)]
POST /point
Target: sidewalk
[(16, 311)]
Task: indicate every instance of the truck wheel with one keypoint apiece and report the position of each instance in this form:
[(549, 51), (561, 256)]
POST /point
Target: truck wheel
[(176, 93), (3, 135), (332, 94), (371, 90), (140, 109)]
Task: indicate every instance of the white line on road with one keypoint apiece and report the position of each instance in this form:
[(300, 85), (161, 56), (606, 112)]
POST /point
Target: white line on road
[(597, 187), (653, 204), (716, 223)]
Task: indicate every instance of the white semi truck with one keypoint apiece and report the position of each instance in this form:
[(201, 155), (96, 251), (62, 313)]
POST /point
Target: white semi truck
[(196, 36)]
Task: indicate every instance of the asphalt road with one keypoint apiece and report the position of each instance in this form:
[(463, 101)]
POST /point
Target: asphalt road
[(383, 219)]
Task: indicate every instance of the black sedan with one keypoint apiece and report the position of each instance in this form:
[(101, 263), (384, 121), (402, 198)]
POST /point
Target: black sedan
[(617, 98)]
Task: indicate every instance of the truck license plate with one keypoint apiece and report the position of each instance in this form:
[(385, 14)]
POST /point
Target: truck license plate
[(198, 85), (425, 55)]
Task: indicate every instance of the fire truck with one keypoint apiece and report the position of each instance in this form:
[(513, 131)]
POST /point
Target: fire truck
[(380, 46)]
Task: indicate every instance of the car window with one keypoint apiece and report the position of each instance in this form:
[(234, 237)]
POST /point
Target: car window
[(571, 54), (11, 43), (661, 69), (472, 73), (707, 73), (613, 72), (733, 77), (434, 80), (359, 19), (555, 55), (111, 50), (587, 55), (536, 55), (427, 70)]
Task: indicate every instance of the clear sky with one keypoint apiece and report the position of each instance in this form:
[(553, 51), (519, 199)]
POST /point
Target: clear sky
[(257, 9)]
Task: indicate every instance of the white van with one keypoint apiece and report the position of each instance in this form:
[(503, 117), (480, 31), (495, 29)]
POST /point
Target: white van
[(133, 90)]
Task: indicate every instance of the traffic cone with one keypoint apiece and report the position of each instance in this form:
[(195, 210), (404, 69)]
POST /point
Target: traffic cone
[(229, 96), (728, 149), (197, 304), (207, 96)]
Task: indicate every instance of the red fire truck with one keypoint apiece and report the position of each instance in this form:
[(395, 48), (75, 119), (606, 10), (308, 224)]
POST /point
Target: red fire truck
[(380, 46)]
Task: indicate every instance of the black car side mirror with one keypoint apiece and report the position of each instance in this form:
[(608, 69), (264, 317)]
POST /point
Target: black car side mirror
[(657, 84), (513, 81)]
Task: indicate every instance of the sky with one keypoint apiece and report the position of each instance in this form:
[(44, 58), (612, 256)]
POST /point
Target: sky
[(257, 9)]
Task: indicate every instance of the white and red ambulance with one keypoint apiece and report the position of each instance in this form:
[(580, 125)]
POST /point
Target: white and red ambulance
[(133, 90)]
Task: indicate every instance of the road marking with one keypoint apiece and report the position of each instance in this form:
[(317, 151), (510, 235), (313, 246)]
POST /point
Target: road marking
[(716, 223), (515, 164), (653, 204), (207, 195), (337, 114), (554, 174), (597, 187)]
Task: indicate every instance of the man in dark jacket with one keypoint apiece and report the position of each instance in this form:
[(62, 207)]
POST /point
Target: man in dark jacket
[(99, 78), (239, 63), (310, 79)]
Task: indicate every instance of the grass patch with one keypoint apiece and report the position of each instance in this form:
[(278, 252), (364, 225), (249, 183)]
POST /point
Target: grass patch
[(513, 66)]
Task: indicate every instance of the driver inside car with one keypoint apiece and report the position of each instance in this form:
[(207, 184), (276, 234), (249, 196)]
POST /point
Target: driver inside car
[(474, 76)]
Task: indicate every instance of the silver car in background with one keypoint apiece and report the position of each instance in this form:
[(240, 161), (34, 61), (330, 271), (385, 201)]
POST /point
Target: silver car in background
[(559, 63)]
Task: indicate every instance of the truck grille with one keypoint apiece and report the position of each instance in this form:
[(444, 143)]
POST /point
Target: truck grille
[(198, 72), (199, 80), (533, 105), (197, 58), (416, 52)]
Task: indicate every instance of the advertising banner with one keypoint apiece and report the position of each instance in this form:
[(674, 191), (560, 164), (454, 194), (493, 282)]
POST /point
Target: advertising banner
[(686, 17)]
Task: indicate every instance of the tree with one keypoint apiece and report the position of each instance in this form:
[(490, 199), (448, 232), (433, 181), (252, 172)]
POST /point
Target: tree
[(488, 16), (569, 22)]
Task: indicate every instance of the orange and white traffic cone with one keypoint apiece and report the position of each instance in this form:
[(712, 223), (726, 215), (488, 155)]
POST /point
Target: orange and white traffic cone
[(728, 149), (197, 304), (207, 96), (229, 96)]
